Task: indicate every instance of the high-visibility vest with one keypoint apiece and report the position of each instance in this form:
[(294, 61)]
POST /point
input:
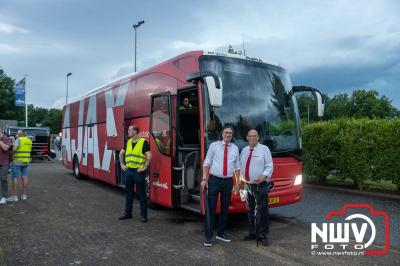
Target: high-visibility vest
[(23, 153), (134, 158)]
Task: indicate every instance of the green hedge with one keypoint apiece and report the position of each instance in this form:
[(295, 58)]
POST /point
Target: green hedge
[(359, 149)]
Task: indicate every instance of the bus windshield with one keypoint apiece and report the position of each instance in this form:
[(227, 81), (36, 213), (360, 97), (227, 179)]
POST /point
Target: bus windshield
[(254, 96)]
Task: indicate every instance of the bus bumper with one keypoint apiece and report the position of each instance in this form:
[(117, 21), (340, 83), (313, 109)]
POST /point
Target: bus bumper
[(275, 198)]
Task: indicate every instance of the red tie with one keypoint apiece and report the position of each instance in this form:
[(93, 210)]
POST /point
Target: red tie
[(247, 175), (225, 173)]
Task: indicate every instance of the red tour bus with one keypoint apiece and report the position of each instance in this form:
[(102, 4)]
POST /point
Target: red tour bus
[(222, 88)]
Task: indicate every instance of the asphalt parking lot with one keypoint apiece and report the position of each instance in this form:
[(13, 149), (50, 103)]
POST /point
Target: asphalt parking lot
[(74, 222)]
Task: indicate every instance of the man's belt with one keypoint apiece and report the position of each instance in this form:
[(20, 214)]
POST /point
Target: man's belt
[(220, 177)]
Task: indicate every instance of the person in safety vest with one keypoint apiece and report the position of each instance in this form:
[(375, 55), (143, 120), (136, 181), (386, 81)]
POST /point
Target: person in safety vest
[(21, 157), (135, 158)]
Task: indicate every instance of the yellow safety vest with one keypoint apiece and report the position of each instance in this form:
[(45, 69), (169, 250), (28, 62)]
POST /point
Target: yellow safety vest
[(134, 158), (23, 153)]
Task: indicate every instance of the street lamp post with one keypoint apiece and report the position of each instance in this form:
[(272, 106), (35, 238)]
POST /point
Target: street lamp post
[(66, 96), (135, 26)]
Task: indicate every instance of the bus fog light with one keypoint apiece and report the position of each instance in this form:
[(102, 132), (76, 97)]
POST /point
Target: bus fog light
[(298, 180)]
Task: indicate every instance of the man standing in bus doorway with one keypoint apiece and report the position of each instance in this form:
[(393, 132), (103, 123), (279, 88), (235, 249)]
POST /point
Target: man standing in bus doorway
[(135, 158), (5, 143), (21, 154), (256, 171), (221, 162)]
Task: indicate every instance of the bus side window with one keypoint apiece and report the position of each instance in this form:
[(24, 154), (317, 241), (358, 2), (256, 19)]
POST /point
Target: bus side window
[(160, 124)]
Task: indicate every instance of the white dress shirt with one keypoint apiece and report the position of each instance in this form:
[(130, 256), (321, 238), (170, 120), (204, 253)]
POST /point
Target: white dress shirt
[(215, 159), (260, 163)]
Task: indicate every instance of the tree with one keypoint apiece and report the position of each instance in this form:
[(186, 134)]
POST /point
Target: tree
[(366, 103), (307, 105), (339, 106), (362, 103), (8, 110), (45, 118), (36, 115), (53, 120)]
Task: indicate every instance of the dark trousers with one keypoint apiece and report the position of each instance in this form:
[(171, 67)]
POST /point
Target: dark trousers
[(132, 177), (257, 209), (223, 187), (3, 180)]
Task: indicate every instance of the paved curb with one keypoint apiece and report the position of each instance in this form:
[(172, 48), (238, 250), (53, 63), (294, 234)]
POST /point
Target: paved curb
[(353, 191)]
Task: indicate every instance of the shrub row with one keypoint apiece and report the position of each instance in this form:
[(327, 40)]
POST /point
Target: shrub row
[(359, 149)]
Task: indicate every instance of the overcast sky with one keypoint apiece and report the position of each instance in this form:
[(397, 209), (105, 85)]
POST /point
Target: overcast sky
[(337, 46)]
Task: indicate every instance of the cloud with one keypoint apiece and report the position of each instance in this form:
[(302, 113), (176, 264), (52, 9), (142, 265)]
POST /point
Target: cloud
[(8, 49), (189, 46), (49, 47), (60, 102), (330, 44), (122, 70), (7, 28), (333, 80), (325, 33)]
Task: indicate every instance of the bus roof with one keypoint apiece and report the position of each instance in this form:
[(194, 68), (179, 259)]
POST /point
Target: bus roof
[(129, 76)]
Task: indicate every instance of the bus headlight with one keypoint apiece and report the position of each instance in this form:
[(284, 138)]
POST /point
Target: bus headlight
[(298, 180)]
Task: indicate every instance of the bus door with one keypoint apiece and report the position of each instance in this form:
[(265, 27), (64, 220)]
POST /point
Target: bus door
[(187, 166), (160, 184)]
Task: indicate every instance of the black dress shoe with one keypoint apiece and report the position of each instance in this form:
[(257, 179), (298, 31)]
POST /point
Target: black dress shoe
[(143, 220), (124, 217), (249, 237)]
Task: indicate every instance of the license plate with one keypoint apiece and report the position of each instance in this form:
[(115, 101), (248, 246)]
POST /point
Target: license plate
[(273, 200)]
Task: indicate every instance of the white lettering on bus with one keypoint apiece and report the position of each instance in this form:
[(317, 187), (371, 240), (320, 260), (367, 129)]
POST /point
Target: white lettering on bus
[(78, 150), (87, 135), (110, 120), (66, 141), (161, 185), (91, 144)]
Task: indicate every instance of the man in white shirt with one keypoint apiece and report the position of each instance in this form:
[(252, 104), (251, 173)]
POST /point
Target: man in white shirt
[(256, 170), (221, 162)]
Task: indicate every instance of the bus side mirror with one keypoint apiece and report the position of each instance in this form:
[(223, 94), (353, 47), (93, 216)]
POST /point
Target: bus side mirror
[(214, 93), (315, 92), (214, 85)]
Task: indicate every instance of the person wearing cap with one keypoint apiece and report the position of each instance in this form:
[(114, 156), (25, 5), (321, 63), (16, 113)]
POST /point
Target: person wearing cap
[(256, 168), (221, 162), (135, 158)]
